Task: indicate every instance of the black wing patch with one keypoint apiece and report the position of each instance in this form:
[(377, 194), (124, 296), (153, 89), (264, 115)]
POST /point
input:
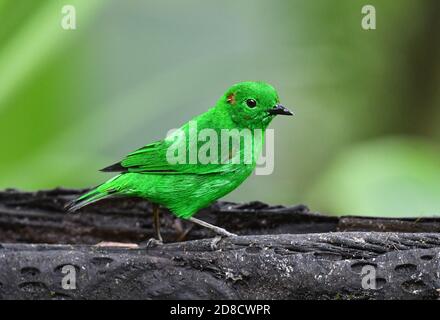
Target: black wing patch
[(117, 167)]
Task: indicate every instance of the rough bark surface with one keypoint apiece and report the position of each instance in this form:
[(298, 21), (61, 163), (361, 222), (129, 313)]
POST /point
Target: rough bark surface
[(280, 253)]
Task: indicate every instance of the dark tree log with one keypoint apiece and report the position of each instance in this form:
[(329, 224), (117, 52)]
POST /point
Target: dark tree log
[(281, 253)]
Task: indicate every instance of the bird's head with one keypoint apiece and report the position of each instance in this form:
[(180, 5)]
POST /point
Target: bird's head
[(252, 104)]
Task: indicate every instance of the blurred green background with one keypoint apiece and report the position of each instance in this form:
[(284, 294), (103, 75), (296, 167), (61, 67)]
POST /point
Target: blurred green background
[(365, 139)]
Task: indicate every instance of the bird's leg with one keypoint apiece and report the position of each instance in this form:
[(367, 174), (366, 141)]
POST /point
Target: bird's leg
[(216, 229), (156, 222)]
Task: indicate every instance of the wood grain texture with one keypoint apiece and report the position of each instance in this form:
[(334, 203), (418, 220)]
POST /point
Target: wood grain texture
[(281, 253)]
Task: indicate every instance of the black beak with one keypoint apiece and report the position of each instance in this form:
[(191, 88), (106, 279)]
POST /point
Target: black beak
[(279, 109)]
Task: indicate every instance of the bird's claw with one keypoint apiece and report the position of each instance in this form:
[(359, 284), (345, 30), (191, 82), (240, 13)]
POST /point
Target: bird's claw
[(214, 242), (152, 242)]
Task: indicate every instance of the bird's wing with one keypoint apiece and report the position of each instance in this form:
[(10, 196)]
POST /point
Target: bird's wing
[(153, 159)]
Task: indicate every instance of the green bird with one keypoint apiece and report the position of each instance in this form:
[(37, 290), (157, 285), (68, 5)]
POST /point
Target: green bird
[(186, 174)]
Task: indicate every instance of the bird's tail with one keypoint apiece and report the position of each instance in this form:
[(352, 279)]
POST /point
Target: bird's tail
[(102, 191)]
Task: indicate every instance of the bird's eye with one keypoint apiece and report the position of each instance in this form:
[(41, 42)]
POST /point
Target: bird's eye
[(251, 103)]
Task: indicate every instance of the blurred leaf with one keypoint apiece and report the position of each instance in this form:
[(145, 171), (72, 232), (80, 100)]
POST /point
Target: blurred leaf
[(390, 177)]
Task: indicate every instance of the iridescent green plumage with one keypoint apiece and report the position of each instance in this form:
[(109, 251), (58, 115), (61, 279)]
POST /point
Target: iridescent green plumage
[(184, 188)]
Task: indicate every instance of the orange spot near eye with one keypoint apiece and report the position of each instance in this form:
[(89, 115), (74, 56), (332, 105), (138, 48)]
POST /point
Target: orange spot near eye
[(231, 98)]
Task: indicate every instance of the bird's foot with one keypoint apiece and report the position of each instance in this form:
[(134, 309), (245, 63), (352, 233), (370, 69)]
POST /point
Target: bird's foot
[(109, 244), (152, 242), (215, 241)]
